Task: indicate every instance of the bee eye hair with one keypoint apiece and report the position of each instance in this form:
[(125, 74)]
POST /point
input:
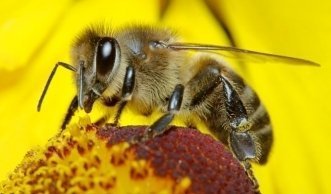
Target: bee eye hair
[(105, 55)]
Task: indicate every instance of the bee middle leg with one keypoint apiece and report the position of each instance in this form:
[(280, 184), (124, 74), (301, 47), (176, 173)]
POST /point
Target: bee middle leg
[(174, 105)]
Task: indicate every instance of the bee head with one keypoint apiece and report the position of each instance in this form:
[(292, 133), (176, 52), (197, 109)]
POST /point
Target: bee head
[(98, 59)]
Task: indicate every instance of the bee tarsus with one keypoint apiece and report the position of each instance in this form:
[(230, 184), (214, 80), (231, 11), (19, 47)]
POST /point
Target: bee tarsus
[(248, 169)]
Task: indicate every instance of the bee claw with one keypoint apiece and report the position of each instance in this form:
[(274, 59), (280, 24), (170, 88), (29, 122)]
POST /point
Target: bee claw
[(249, 172)]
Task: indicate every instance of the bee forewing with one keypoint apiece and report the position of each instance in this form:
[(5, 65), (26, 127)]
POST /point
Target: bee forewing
[(241, 54)]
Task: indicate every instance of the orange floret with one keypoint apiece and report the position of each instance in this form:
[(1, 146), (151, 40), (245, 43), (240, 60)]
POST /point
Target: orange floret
[(102, 160)]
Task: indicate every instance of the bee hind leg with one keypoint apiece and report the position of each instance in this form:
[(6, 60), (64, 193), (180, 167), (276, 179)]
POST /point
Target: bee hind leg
[(241, 141)]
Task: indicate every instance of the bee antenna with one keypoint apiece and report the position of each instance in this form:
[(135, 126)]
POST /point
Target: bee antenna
[(50, 78)]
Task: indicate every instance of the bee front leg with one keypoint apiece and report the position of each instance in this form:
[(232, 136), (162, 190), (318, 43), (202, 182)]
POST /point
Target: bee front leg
[(70, 112), (127, 90), (175, 102)]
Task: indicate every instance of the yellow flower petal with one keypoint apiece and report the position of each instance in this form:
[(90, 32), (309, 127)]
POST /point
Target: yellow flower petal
[(35, 35)]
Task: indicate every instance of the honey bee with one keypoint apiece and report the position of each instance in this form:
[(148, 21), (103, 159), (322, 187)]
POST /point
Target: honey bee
[(150, 69)]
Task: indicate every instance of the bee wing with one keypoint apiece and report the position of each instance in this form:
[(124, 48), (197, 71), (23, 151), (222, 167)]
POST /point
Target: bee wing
[(247, 55)]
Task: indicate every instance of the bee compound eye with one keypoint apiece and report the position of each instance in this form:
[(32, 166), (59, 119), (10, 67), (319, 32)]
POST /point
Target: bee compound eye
[(106, 55)]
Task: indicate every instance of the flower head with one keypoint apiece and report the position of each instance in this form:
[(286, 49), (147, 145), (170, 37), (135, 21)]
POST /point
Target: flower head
[(91, 159)]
